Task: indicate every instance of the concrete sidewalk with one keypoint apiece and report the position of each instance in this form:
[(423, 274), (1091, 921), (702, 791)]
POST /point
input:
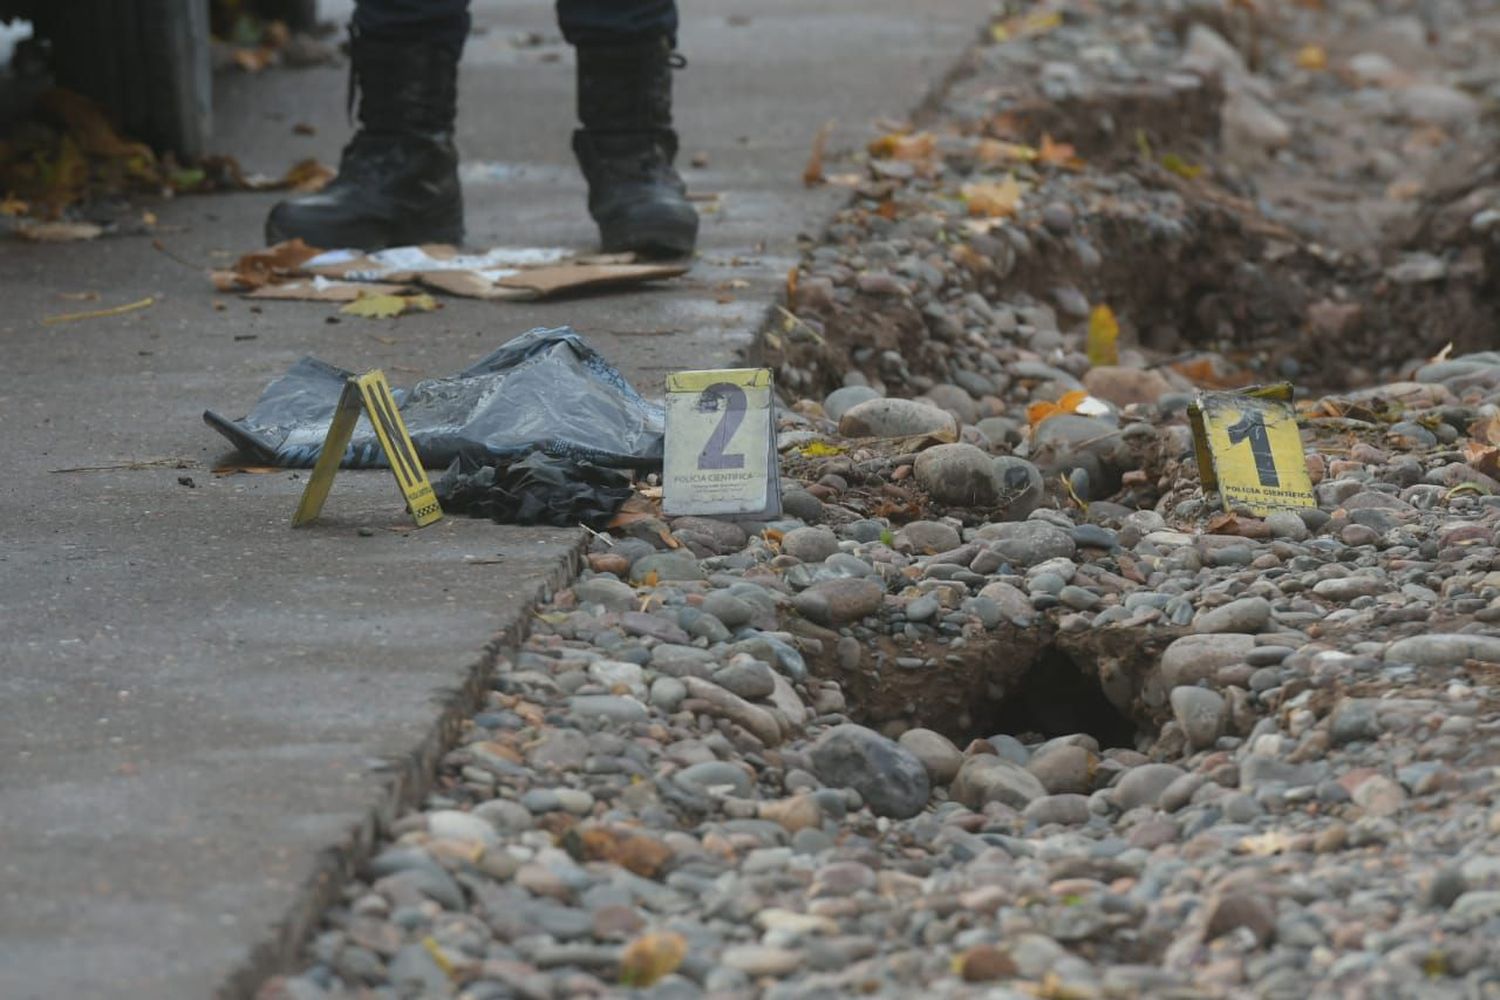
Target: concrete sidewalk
[(202, 713)]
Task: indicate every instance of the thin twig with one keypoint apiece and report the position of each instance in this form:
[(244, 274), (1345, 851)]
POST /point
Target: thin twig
[(100, 313), (150, 463), (173, 255)]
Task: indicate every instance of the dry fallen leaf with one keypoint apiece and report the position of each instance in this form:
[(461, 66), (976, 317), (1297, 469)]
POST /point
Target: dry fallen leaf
[(1058, 154), (644, 856), (812, 174), (993, 200), (307, 176), (252, 60), (993, 151), (652, 957), (89, 127), (247, 470), (1264, 845), (1069, 403), (897, 146), (1212, 374), (260, 267), (59, 232), (1486, 430), (1483, 458), (1240, 527)]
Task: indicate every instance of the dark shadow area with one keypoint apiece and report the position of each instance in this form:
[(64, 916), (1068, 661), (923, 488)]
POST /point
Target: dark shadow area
[(1057, 699)]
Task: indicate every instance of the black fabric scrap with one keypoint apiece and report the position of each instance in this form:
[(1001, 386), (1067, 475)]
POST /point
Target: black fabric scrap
[(539, 489)]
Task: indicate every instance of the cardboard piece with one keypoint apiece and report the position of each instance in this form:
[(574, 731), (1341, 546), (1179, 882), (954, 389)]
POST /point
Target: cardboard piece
[(293, 271), (545, 282)]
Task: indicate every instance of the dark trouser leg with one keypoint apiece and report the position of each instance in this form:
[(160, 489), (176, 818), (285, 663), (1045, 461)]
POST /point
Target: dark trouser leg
[(437, 22), (616, 22), (398, 177), (626, 145)]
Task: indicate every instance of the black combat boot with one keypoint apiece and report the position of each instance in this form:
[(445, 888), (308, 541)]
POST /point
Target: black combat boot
[(626, 147), (398, 178)]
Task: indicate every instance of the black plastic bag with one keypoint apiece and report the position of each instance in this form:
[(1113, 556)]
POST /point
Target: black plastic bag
[(539, 489), (546, 390)]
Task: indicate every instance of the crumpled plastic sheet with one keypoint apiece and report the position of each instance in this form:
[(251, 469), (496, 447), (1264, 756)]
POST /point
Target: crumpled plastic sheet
[(546, 390), (539, 489)]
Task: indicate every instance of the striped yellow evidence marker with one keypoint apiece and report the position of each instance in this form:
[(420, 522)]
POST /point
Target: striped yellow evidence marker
[(371, 392), (1249, 448)]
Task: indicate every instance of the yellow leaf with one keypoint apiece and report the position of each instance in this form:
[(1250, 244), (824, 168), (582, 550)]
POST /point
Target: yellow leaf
[(1180, 167), (12, 206), (895, 146), (1036, 23), (1103, 337), (307, 176), (994, 200), (435, 951), (59, 232), (1040, 21), (375, 306), (386, 306), (652, 957), (1312, 57), (821, 449)]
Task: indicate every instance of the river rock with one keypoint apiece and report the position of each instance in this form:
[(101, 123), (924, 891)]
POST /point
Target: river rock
[(887, 418), (1201, 713), (958, 474), (890, 778), (936, 752), (836, 602), (988, 778)]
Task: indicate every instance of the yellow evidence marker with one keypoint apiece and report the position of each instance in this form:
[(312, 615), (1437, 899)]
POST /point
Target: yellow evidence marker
[(720, 451), (1250, 450), (371, 392)]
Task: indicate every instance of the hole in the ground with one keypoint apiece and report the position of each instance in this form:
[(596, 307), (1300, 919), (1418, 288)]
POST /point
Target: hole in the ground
[(1017, 681), (1056, 698)]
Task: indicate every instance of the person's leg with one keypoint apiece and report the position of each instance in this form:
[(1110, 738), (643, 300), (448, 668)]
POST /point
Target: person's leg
[(398, 177), (439, 22), (626, 145), (616, 22)]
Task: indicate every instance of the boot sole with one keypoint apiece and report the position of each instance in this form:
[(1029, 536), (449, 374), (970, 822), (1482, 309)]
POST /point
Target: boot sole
[(659, 242), (447, 227), (371, 242)]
